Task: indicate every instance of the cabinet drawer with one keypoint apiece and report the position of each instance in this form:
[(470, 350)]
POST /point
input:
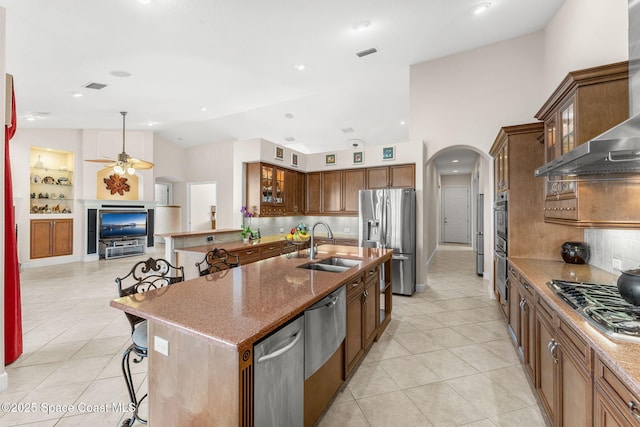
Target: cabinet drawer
[(371, 275), (354, 287), (576, 345), (623, 398), (543, 310), (271, 250), (247, 256)]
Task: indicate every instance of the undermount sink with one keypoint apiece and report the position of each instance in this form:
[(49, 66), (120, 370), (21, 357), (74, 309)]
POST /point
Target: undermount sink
[(341, 262), (333, 265)]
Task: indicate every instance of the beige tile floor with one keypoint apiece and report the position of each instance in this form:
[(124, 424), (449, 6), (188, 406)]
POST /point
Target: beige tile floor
[(445, 359)]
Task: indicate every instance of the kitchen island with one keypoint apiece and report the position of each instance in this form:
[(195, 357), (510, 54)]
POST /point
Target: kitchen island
[(582, 376), (212, 322)]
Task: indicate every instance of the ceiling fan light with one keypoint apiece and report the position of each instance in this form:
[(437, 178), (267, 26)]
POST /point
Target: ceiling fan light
[(131, 170), (118, 169)]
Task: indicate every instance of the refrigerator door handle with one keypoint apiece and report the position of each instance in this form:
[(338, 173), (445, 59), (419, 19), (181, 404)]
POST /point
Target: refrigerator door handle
[(400, 257)]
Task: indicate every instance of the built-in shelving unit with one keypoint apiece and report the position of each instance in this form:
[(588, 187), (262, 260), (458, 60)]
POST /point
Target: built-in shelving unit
[(51, 182)]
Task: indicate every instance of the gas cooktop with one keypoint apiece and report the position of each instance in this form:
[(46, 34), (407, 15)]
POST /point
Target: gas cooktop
[(602, 306)]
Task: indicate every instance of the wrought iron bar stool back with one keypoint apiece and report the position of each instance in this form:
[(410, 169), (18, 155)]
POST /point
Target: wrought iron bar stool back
[(217, 260), (144, 276)]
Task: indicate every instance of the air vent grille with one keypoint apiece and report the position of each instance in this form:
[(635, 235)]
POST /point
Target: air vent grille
[(347, 130), (96, 86), (366, 52)]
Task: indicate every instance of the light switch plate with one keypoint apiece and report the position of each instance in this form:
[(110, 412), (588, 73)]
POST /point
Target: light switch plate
[(161, 345)]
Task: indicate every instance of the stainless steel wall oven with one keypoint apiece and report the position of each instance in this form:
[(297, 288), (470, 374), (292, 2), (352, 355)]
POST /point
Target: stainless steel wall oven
[(501, 243)]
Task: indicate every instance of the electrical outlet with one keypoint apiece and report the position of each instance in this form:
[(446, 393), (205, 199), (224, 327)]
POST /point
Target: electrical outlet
[(211, 238), (161, 345), (282, 229), (616, 264), (347, 229)]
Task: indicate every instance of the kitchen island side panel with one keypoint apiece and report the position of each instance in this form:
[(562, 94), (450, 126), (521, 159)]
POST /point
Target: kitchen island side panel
[(196, 384)]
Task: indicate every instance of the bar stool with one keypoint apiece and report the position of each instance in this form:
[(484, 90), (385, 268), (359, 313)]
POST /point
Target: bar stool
[(217, 260), (144, 276)]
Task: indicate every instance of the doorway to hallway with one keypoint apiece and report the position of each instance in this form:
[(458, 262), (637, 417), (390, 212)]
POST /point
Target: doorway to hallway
[(455, 218)]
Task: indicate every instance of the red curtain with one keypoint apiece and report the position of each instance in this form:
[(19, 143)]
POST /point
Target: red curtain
[(12, 304)]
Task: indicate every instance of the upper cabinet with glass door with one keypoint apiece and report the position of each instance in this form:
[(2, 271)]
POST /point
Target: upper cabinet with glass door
[(585, 104)]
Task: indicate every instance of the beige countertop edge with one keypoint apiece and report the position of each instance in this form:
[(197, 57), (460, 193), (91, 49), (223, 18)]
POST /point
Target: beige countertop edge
[(127, 304), (621, 356), (199, 233)]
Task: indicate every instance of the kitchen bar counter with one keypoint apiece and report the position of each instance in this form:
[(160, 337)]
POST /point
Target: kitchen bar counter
[(239, 306), (621, 356), (204, 373)]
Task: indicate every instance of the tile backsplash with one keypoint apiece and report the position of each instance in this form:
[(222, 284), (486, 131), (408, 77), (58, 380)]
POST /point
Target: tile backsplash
[(341, 226), (607, 246)]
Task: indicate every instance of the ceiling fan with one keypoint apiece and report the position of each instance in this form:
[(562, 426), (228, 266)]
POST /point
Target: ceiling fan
[(125, 163)]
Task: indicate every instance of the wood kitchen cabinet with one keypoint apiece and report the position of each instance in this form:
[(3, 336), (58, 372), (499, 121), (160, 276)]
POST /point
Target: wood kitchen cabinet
[(363, 299), (51, 237), (396, 176), (615, 404), (334, 192), (273, 190), (521, 322), (563, 370), (585, 104), (517, 152)]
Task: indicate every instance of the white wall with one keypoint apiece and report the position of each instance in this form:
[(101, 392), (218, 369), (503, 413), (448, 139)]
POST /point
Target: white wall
[(462, 101), (214, 163), (57, 139), (583, 34)]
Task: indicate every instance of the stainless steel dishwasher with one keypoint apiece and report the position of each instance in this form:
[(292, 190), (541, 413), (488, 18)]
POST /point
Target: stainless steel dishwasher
[(325, 327), (279, 377)]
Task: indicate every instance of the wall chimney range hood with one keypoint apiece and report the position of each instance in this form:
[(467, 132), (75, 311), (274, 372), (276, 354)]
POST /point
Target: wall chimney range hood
[(617, 150)]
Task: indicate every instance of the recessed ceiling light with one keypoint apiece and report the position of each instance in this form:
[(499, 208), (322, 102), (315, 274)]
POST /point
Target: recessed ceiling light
[(203, 109), (120, 73), (299, 67), (480, 7), (76, 94), (455, 161), (455, 171), (402, 123), (31, 118), (288, 115), (361, 25), (150, 123)]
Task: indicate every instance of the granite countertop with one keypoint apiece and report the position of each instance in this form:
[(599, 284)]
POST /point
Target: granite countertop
[(237, 307), (621, 356)]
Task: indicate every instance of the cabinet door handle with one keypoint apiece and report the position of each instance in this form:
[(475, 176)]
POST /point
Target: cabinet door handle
[(633, 408), (522, 303), (248, 252), (553, 349), (354, 284)]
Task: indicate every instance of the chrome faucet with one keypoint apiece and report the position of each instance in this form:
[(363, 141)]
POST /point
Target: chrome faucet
[(313, 249)]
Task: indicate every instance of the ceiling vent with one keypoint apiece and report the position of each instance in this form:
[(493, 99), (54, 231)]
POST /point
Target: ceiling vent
[(366, 52), (347, 130), (96, 86), (289, 139)]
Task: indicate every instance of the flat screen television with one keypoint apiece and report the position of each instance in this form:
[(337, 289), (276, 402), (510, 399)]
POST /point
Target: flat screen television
[(122, 225)]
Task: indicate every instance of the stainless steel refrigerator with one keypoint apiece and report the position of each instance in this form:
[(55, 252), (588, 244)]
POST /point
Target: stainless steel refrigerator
[(387, 219)]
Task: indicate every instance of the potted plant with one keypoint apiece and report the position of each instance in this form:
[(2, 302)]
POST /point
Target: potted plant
[(246, 231)]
